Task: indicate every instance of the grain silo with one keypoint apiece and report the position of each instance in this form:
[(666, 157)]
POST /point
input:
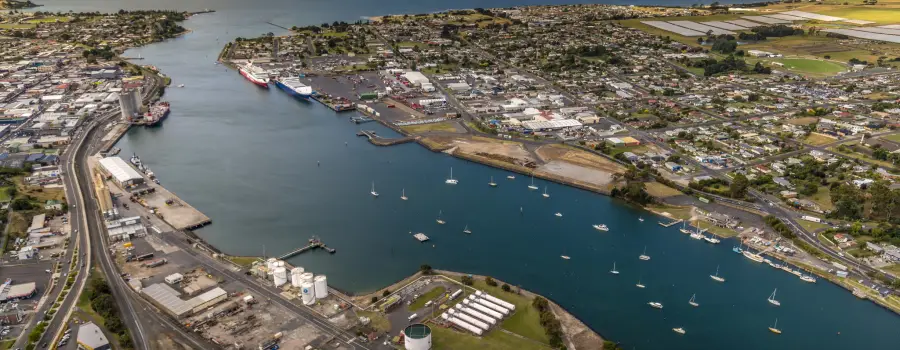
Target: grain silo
[(280, 276)]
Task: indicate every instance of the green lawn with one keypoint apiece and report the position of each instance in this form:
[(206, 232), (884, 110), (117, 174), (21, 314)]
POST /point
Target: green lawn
[(893, 269), (444, 338), (378, 320), (683, 213), (718, 231), (424, 298), (243, 260), (881, 15), (336, 34), (822, 197), (811, 226), (52, 19), (420, 128), (804, 65), (525, 321), (3, 195), (16, 26), (817, 139), (894, 137), (824, 240)]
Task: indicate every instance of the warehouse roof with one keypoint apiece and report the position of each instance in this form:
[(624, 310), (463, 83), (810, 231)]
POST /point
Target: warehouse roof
[(119, 169), (91, 337), (210, 295), (168, 298), (551, 124)]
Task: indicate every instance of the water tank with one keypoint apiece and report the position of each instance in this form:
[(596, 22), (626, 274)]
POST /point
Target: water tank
[(270, 264), (280, 276), (308, 293), (307, 277), (295, 276), (321, 283), (417, 337)]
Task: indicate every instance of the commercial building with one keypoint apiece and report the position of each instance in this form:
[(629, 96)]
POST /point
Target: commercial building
[(122, 173), (91, 337), (415, 78)]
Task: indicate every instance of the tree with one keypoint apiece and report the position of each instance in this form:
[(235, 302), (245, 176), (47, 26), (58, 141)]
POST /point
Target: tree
[(506, 288), (21, 204), (425, 269), (490, 281), (739, 186), (467, 280), (386, 292), (374, 298)]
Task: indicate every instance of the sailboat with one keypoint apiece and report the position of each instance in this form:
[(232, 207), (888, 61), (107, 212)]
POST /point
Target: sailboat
[(639, 284), (451, 180), (678, 330), (532, 186), (545, 193), (559, 215), (466, 230), (692, 302), (614, 271), (641, 219), (716, 276), (774, 329), (439, 220), (374, 194), (403, 195), (772, 299), (601, 227), (655, 305), (492, 183), (684, 228), (644, 256)]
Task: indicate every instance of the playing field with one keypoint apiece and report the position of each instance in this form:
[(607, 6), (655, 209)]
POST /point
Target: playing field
[(818, 67)]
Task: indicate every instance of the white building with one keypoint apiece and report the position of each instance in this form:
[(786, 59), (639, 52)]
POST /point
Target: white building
[(122, 173), (415, 78), (125, 228)]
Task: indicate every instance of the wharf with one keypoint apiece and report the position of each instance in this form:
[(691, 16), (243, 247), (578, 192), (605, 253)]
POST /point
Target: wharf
[(313, 244), (325, 100), (671, 223), (381, 141), (362, 119), (163, 203), (115, 133)]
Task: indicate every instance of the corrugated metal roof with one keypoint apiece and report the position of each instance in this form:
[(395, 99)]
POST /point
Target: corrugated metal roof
[(168, 298), (90, 335), (119, 169)]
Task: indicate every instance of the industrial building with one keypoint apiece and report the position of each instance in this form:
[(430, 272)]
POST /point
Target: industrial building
[(130, 103), (90, 337), (170, 299), (416, 78), (123, 174), (125, 228), (417, 337)]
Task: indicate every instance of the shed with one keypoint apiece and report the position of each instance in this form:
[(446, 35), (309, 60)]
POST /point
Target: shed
[(122, 173)]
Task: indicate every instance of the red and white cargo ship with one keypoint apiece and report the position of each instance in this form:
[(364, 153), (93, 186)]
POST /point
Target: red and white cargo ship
[(255, 75)]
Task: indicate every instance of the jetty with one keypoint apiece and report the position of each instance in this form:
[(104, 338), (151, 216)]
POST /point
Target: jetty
[(361, 119), (314, 243), (671, 223), (382, 141)]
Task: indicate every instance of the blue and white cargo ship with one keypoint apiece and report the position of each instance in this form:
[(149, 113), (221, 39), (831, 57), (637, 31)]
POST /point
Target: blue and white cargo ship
[(294, 87)]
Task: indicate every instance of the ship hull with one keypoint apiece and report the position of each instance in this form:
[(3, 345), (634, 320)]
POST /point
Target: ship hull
[(258, 82), (291, 91)]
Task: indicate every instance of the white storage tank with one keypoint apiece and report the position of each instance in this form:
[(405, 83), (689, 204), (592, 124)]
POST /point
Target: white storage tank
[(308, 293), (469, 319), (280, 276), (296, 272), (321, 283), (417, 337), (499, 301), (270, 264), (307, 277), (493, 306)]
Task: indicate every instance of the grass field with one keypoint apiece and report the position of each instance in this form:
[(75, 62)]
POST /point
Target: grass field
[(416, 129), (40, 195), (243, 260), (16, 26), (894, 137), (676, 212), (659, 190), (878, 15), (335, 34), (803, 121), (824, 240), (822, 197), (424, 298), (448, 339), (378, 320), (817, 139), (526, 319), (863, 157), (52, 19), (893, 269), (812, 226)]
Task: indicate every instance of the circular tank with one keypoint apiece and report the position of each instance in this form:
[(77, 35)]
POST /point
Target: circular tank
[(270, 264), (417, 337), (280, 276), (321, 283), (296, 272), (308, 293), (307, 277)]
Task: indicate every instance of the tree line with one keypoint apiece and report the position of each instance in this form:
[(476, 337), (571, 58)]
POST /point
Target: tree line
[(103, 302)]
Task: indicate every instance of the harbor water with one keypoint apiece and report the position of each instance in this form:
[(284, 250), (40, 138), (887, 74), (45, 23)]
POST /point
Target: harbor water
[(247, 158)]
